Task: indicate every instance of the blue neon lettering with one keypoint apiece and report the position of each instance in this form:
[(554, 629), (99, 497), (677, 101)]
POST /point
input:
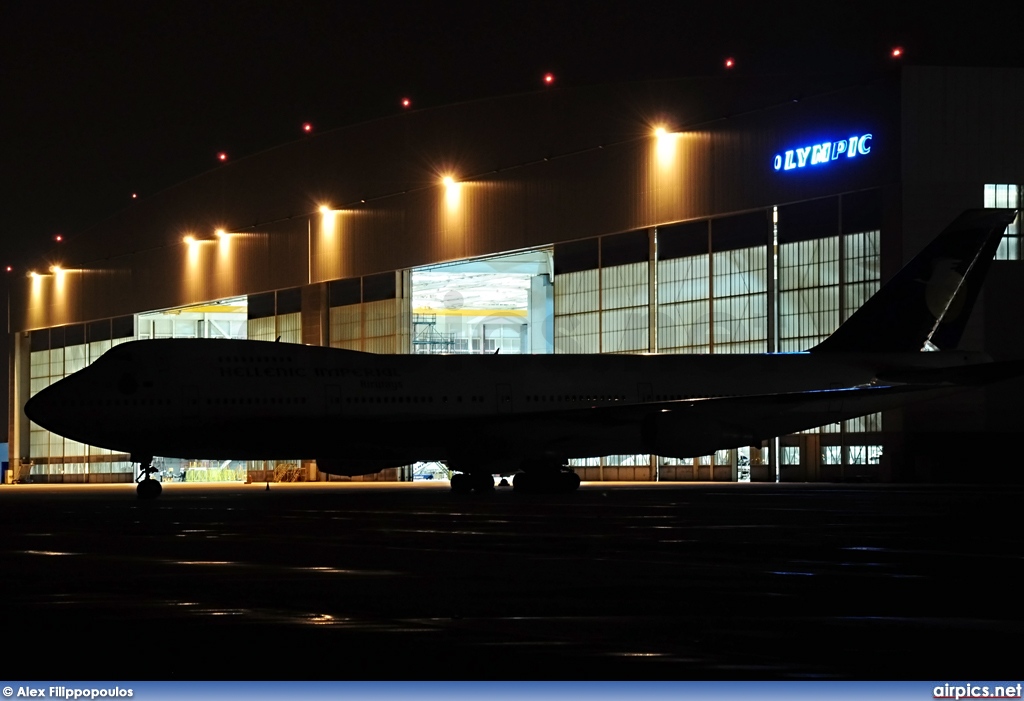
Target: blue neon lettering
[(821, 153)]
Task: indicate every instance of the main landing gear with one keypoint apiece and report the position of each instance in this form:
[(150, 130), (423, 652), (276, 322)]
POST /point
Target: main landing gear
[(148, 488), (466, 482)]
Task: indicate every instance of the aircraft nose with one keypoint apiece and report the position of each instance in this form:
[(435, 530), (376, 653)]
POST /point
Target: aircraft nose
[(45, 408)]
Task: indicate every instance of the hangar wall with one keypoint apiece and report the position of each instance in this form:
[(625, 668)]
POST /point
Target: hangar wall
[(579, 169)]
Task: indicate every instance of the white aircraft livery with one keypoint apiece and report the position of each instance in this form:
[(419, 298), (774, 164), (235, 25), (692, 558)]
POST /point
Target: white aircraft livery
[(357, 413)]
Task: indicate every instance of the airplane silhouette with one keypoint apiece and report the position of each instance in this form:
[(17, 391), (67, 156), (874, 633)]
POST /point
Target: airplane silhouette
[(357, 413)]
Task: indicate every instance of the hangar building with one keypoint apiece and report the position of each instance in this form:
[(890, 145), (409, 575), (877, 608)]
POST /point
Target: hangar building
[(705, 215)]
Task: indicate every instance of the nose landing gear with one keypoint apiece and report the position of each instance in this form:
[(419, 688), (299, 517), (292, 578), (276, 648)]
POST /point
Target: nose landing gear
[(148, 488)]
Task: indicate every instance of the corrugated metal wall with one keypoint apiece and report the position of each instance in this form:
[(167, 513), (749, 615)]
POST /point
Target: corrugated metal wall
[(532, 170)]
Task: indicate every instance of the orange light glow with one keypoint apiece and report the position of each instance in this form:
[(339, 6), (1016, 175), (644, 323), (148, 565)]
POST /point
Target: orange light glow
[(189, 239), (406, 102), (666, 146), (897, 52), (549, 78), (452, 193), (58, 238), (328, 221), (222, 156), (730, 62), (307, 127)]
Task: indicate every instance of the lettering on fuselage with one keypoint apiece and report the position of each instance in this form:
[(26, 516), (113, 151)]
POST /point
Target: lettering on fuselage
[(252, 371), (380, 384), (356, 373)]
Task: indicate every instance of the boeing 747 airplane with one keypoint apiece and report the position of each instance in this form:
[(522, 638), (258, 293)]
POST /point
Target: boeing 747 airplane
[(357, 413)]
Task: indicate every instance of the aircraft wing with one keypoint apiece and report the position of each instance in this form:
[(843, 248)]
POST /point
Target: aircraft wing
[(692, 427)]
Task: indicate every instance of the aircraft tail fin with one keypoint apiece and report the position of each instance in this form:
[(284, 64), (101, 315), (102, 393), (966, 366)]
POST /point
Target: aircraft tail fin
[(927, 304)]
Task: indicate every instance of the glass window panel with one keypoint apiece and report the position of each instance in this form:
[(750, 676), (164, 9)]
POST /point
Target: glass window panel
[(684, 306), (1006, 196), (857, 455), (577, 333), (289, 328), (576, 292), (624, 286), (832, 455), (261, 329)]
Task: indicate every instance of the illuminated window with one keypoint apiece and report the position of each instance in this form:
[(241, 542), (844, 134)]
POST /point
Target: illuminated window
[(740, 302), (624, 304), (808, 292), (831, 455), (862, 262), (1006, 197), (684, 311), (577, 323)]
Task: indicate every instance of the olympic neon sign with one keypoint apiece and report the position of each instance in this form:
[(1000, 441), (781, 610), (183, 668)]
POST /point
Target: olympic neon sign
[(823, 153)]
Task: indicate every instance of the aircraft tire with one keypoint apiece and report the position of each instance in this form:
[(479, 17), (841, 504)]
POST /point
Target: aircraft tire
[(569, 481), (148, 489), (462, 483)]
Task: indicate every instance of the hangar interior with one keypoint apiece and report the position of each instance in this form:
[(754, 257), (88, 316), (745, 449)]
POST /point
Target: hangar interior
[(688, 241)]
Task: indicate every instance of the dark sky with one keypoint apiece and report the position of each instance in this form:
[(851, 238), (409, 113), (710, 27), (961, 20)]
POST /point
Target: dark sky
[(101, 99)]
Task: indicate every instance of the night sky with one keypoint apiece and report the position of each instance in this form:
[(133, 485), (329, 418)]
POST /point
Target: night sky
[(101, 99)]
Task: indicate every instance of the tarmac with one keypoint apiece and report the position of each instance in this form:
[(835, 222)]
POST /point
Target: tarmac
[(622, 581)]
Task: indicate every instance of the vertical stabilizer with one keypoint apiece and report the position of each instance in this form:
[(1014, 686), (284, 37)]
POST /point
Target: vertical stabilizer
[(927, 304)]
